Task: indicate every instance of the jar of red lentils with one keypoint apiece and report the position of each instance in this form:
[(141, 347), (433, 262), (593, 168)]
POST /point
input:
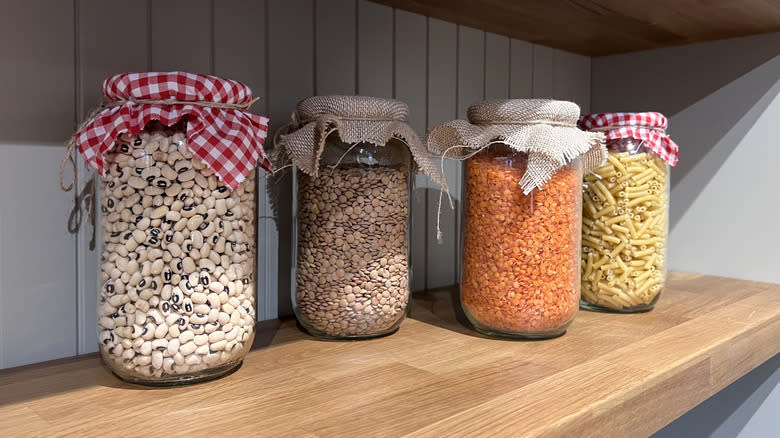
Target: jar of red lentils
[(522, 213), (626, 213)]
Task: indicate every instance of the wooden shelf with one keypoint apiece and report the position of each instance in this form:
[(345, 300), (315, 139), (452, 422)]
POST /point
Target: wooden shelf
[(604, 27), (613, 375)]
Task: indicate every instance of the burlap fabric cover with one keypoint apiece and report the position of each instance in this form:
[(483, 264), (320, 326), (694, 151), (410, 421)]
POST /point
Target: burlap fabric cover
[(357, 119), (545, 129)]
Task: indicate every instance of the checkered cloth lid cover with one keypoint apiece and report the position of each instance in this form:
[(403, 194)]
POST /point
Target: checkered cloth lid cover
[(648, 127), (229, 140)]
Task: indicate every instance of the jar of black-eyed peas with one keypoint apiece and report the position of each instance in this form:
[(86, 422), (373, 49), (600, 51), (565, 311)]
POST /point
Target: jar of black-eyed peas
[(176, 155)]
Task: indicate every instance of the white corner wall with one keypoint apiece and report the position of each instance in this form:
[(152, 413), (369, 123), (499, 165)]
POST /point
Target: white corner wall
[(723, 103)]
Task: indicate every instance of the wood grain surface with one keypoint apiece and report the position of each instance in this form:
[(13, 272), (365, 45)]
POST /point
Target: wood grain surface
[(610, 375), (605, 27)]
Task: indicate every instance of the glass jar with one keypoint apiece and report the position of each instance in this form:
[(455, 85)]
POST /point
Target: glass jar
[(625, 226), (176, 279), (521, 263), (351, 248)]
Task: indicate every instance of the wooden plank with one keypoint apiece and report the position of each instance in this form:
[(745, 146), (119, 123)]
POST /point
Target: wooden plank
[(411, 87), (37, 72), (497, 65), (571, 78), (37, 264), (181, 35), (240, 54), (99, 42), (610, 375), (375, 49), (290, 79), (602, 27), (521, 69), (543, 67), (442, 107), (336, 46)]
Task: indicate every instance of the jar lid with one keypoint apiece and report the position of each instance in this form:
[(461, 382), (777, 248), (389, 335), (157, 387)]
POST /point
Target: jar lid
[(649, 127), (356, 119), (352, 108), (220, 132), (525, 111), (544, 129)]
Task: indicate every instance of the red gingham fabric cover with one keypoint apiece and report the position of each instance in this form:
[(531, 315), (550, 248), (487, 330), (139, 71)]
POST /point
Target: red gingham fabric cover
[(229, 141), (635, 125)]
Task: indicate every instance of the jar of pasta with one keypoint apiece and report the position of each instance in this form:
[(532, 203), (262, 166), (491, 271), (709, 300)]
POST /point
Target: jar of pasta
[(176, 237), (626, 213), (522, 213), (355, 160)]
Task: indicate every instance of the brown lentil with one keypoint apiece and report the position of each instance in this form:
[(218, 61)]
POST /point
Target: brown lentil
[(520, 253), (352, 251)]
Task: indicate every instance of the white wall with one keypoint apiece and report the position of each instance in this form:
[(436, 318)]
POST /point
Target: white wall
[(52, 66), (723, 103)]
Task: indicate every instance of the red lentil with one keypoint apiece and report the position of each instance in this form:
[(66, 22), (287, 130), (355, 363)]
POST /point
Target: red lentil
[(520, 253)]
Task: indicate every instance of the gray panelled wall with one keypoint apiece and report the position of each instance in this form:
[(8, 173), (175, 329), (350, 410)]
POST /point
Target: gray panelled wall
[(52, 67)]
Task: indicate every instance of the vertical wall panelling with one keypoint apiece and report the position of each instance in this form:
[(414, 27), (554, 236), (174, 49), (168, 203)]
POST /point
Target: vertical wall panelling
[(290, 79), (99, 44), (36, 71), (37, 263), (543, 65), (285, 50), (37, 266), (497, 60), (410, 86), (239, 53), (520, 69), (571, 78), (335, 43), (442, 107), (182, 35), (375, 49), (471, 86)]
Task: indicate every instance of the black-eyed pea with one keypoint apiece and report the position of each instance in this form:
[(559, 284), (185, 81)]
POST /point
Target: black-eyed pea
[(157, 267), (142, 305), (153, 191), (197, 318), (148, 331), (187, 349), (142, 361), (173, 346), (146, 294), (198, 329), (146, 267), (160, 343), (186, 336), (156, 315), (169, 173), (169, 365)]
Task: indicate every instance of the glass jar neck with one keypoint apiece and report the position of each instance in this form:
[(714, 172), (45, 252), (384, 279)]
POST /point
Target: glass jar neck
[(340, 154)]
